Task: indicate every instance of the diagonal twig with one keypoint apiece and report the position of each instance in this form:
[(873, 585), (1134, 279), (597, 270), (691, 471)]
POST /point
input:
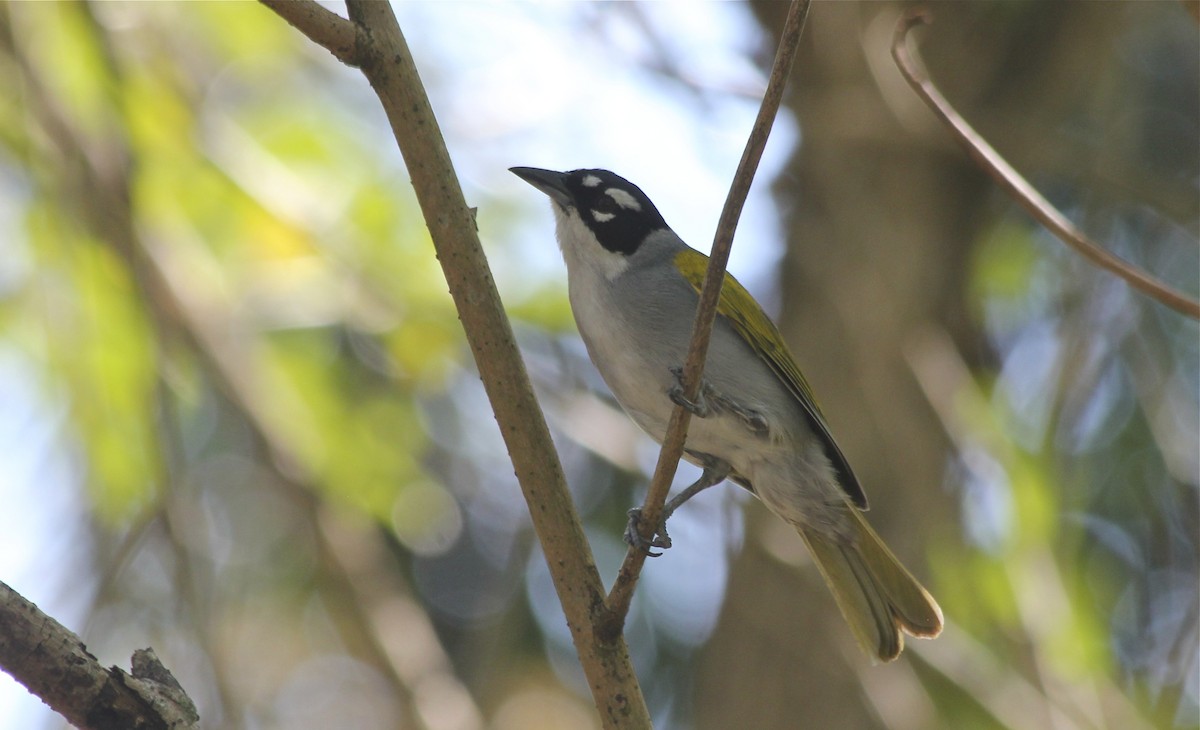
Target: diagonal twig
[(672, 450), (382, 54), (1018, 187)]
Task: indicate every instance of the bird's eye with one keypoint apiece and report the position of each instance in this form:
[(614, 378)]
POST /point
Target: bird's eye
[(603, 208)]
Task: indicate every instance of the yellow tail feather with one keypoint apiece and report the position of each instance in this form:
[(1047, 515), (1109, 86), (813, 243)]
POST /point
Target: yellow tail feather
[(877, 595)]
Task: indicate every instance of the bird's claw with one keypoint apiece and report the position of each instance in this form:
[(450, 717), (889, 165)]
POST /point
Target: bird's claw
[(633, 536), (698, 407), (709, 401)]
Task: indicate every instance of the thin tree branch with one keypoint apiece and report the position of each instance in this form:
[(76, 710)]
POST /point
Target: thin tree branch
[(672, 449), (53, 664), (384, 58), (1024, 193)]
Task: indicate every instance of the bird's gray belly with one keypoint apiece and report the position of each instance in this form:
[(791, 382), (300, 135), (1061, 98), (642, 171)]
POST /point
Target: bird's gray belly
[(752, 416)]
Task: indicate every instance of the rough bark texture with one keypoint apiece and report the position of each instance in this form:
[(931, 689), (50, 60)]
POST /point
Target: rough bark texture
[(52, 663)]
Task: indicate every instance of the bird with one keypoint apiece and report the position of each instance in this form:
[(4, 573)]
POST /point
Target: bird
[(633, 286)]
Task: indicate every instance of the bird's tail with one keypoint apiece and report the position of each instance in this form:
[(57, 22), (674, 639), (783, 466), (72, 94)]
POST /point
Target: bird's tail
[(877, 595)]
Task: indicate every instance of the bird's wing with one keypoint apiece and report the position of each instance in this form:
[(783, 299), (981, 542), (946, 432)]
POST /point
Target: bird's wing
[(752, 325)]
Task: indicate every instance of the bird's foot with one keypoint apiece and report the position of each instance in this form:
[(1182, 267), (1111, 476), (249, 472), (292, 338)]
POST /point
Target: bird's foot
[(710, 401), (698, 407), (715, 471), (633, 534)]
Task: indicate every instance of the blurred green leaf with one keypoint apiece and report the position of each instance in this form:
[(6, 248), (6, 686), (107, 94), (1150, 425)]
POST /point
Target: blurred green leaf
[(102, 350)]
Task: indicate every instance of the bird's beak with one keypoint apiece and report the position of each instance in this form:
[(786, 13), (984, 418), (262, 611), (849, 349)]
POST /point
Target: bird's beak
[(548, 181)]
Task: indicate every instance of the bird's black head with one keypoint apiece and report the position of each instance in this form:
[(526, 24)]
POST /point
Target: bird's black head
[(614, 209)]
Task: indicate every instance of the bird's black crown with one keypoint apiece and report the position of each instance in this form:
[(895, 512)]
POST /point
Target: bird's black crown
[(614, 209)]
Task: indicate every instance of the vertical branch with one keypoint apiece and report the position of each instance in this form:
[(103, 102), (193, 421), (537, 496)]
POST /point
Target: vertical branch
[(381, 52), (706, 312)]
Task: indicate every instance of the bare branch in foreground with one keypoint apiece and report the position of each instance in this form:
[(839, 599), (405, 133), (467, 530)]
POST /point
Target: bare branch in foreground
[(1018, 187)]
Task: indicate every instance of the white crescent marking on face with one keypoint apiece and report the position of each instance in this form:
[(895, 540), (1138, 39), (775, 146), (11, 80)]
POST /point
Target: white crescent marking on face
[(590, 181), (602, 217), (623, 199)]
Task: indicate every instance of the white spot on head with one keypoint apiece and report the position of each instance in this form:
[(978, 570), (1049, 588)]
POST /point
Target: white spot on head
[(623, 199), (590, 181), (602, 217)]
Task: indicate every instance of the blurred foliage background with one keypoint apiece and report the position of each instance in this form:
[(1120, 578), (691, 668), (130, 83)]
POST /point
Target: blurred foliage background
[(238, 422)]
